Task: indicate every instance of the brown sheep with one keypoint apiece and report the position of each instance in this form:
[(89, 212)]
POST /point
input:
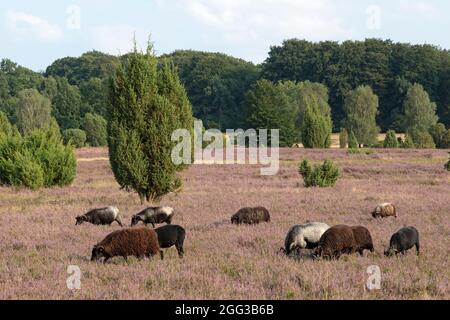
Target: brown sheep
[(138, 242), (363, 239), (251, 216), (336, 241), (384, 210)]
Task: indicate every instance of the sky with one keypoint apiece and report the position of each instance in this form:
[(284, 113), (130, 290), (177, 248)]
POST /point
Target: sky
[(35, 33)]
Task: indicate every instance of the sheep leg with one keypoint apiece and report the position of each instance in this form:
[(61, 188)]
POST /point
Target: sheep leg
[(418, 248), (161, 253), (119, 222), (180, 250)]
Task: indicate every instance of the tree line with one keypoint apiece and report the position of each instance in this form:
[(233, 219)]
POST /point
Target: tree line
[(301, 86)]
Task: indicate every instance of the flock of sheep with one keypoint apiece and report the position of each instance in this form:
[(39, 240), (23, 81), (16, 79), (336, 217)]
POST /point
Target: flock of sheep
[(327, 242), (138, 241)]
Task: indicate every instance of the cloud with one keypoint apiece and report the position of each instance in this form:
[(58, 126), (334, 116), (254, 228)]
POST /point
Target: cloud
[(419, 8), (25, 25), (117, 39), (243, 20)]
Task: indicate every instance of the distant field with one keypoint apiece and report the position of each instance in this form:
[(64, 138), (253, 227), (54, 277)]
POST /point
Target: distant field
[(39, 239), (335, 139)]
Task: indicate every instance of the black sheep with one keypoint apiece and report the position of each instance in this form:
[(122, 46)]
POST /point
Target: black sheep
[(402, 241), (171, 235)]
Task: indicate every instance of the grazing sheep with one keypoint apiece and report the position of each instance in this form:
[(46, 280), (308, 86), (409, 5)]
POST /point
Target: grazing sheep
[(153, 215), (384, 210), (171, 235), (403, 240), (101, 216), (251, 216), (138, 242), (363, 239), (336, 241), (304, 236)]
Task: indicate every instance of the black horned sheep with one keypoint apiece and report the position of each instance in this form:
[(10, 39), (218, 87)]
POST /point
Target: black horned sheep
[(402, 241), (251, 216), (103, 216), (384, 210), (363, 239), (153, 215), (138, 242), (336, 241), (304, 236), (171, 235)]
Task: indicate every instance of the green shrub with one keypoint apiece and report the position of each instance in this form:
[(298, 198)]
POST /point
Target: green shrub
[(422, 140), (343, 138), (408, 143), (57, 160), (95, 127), (38, 159), (390, 142), (352, 141), (441, 136), (6, 129), (18, 166), (323, 176), (360, 151), (76, 137)]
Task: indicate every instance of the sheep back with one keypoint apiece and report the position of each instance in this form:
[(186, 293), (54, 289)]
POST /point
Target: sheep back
[(385, 210), (403, 240), (363, 239), (336, 241), (171, 235), (101, 216), (304, 236), (154, 215), (136, 242), (251, 216)]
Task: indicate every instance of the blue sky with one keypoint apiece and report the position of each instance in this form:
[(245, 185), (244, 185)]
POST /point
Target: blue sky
[(35, 33)]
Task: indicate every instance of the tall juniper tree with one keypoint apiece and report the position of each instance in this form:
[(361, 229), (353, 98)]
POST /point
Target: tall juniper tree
[(147, 105)]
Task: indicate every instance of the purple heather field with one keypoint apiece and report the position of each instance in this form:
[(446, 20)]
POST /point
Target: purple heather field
[(39, 239)]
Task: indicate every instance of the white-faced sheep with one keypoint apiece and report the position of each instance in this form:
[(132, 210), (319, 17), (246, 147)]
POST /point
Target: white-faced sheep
[(304, 236), (102, 216)]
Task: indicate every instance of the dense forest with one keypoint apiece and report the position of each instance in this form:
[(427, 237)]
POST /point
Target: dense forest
[(390, 69), (222, 89)]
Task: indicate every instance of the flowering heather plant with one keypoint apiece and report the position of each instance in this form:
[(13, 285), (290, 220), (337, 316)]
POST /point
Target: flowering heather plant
[(39, 239)]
